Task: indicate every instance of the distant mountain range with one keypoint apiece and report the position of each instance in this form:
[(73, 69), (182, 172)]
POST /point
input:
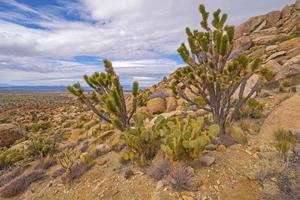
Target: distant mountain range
[(21, 89)]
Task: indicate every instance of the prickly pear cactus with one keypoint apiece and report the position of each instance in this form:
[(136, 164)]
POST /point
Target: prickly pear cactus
[(142, 142), (184, 139)]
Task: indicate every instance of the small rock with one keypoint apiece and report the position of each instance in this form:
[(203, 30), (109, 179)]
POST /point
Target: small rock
[(160, 184), (221, 148), (211, 147), (128, 174), (204, 161), (271, 47)]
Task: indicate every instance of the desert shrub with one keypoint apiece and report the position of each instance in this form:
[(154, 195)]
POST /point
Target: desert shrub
[(58, 173), (285, 141), (9, 157), (183, 139), (66, 159), (77, 169), (46, 163), (180, 177), (20, 184), (40, 145), (253, 108), (40, 126), (245, 125), (142, 142), (78, 124), (6, 178), (142, 99), (238, 134), (159, 170)]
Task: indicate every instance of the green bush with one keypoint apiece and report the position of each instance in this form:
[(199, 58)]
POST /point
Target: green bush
[(40, 146), (285, 141), (66, 159), (184, 139), (40, 126), (9, 157), (143, 143), (253, 109), (142, 99)]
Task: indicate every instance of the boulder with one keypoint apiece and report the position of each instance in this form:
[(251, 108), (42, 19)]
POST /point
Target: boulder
[(171, 104), (286, 11), (272, 18), (268, 31), (297, 5), (289, 44), (9, 134), (162, 93), (291, 67), (242, 44), (268, 39), (275, 55), (271, 47), (261, 26), (250, 84), (274, 66), (157, 105), (258, 52), (248, 26)]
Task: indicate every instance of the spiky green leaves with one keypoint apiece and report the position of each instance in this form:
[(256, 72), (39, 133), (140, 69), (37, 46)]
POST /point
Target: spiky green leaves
[(108, 66), (230, 32), (205, 15), (255, 64), (184, 53), (135, 88), (224, 45), (107, 99)]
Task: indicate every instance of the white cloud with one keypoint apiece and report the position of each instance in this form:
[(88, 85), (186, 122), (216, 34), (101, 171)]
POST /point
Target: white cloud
[(138, 35)]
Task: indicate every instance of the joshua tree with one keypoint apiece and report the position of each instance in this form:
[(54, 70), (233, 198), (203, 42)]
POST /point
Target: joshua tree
[(107, 99), (213, 73)]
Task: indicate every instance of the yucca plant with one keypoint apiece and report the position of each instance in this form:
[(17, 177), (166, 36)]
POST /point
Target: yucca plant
[(184, 139), (107, 100), (214, 73), (285, 141)]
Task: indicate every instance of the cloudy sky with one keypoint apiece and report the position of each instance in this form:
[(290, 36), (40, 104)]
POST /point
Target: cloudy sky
[(55, 42)]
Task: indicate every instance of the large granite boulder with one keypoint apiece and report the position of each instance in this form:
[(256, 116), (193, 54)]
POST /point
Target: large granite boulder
[(9, 134), (157, 105)]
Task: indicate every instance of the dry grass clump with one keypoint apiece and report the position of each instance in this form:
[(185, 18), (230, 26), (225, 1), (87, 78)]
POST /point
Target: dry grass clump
[(76, 171), (46, 163), (238, 134), (285, 141), (160, 170), (177, 174), (180, 177), (58, 172), (6, 178), (20, 184)]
